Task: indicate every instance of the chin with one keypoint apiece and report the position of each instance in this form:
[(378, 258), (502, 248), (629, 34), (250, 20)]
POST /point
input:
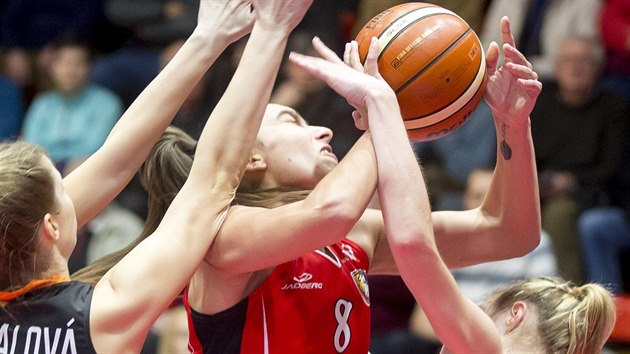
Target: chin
[(325, 169)]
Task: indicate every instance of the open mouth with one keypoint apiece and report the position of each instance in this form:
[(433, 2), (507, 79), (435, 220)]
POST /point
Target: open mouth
[(328, 151)]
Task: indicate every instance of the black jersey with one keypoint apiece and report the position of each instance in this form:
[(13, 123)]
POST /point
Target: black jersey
[(53, 319)]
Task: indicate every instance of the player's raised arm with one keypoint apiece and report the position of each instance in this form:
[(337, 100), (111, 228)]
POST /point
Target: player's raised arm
[(458, 322), (101, 177), (507, 224), (130, 296)]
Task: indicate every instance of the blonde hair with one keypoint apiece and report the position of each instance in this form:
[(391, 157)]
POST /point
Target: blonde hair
[(27, 193), (571, 319)]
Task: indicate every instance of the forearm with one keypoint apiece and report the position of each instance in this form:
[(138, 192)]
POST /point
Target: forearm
[(402, 192), (459, 324), (512, 205), (242, 106)]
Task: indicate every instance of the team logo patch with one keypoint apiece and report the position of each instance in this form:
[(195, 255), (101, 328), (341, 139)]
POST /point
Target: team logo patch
[(360, 280)]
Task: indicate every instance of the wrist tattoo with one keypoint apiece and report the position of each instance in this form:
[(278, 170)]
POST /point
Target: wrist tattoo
[(506, 150)]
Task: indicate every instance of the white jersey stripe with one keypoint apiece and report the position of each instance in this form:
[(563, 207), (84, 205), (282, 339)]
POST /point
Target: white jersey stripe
[(265, 334)]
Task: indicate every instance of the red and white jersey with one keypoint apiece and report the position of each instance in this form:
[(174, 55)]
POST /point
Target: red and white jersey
[(318, 303)]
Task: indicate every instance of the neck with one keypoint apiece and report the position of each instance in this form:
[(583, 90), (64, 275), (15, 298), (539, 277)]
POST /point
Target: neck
[(56, 266), (522, 343)]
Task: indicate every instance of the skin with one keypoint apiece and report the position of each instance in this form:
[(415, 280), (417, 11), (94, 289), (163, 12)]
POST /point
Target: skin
[(215, 175), (250, 243), (459, 323), (122, 312)]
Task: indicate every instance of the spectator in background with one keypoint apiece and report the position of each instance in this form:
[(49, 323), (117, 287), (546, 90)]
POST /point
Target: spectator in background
[(11, 110), (478, 281), (449, 160), (578, 131), (73, 120), (540, 25), (605, 232), (154, 24), (195, 111), (614, 23), (28, 29)]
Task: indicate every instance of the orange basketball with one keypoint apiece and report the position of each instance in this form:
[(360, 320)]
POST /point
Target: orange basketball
[(433, 61)]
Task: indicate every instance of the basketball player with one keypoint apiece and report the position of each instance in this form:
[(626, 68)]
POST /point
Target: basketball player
[(287, 271), (289, 278), (541, 315), (42, 310)]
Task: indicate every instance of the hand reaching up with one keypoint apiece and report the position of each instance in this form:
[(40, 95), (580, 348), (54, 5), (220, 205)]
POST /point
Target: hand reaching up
[(513, 87), (350, 81), (280, 14), (228, 19)]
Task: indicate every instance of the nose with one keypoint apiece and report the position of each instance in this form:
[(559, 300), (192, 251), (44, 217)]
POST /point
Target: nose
[(323, 133)]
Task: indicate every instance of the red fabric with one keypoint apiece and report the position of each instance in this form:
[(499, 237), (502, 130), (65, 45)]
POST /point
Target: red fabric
[(621, 332), (312, 305), (615, 24)]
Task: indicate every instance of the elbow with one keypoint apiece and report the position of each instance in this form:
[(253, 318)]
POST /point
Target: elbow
[(339, 214), (411, 243), (517, 233), (524, 240), (531, 241)]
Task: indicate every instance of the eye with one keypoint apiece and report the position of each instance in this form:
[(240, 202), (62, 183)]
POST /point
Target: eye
[(288, 118)]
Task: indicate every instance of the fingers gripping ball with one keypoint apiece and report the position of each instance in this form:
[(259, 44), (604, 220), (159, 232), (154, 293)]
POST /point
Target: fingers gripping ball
[(433, 61)]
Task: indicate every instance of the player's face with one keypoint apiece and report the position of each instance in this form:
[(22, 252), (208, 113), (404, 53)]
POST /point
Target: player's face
[(297, 155), (64, 214)]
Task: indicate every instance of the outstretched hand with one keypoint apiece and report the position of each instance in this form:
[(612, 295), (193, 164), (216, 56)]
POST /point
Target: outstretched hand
[(280, 14), (351, 81), (227, 19), (513, 87)]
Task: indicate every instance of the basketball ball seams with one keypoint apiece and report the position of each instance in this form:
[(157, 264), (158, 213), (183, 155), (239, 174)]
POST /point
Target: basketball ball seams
[(460, 100), (459, 110), (422, 134), (433, 61), (388, 41), (435, 64)]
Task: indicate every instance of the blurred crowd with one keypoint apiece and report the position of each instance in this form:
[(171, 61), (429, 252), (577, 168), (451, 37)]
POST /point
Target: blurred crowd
[(69, 68)]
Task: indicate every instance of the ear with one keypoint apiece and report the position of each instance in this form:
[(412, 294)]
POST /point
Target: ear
[(256, 163), (49, 227), (516, 316)]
